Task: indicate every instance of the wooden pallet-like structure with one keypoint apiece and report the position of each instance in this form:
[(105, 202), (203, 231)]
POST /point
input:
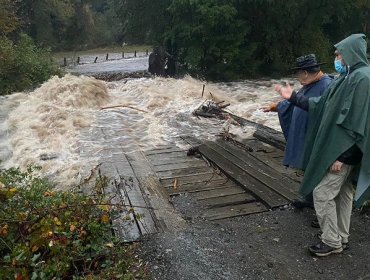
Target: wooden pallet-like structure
[(220, 197), (226, 178)]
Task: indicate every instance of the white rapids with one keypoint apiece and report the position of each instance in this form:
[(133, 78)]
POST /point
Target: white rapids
[(48, 127)]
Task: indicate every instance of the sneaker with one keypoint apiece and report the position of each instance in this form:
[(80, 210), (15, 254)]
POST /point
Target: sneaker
[(345, 245), (323, 250)]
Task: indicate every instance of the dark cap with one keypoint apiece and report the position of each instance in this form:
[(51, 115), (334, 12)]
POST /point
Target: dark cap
[(306, 62)]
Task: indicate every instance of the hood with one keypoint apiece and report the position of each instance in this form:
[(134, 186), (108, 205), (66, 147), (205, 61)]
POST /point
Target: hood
[(353, 50)]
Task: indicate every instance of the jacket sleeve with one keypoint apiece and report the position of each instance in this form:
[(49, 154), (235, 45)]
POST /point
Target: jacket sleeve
[(299, 100), (352, 156)]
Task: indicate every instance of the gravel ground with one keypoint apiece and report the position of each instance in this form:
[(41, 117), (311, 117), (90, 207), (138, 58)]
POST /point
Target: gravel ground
[(270, 245)]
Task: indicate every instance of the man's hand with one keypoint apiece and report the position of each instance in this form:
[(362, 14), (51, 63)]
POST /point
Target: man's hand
[(284, 91), (336, 167), (270, 108)]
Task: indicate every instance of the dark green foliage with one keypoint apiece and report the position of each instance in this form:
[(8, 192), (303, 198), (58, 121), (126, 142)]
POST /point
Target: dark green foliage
[(46, 234), (206, 36), (23, 65), (215, 39)]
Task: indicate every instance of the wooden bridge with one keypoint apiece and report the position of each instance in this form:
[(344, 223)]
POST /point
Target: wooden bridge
[(226, 177)]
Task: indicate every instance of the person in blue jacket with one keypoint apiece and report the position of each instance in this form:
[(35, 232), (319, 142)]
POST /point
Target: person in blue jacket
[(293, 120)]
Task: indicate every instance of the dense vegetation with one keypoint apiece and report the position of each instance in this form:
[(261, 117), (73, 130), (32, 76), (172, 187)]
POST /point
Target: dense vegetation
[(217, 39), (46, 234)]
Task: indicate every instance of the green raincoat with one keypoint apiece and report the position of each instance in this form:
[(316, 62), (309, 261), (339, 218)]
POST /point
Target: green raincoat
[(339, 119)]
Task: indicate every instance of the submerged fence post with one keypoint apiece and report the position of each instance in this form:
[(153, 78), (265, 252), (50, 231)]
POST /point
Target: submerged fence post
[(106, 58), (65, 61), (123, 54), (96, 58), (135, 54), (78, 60), (147, 52)]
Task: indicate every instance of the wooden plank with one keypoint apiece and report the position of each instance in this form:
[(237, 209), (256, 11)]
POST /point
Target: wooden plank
[(272, 157), (185, 171), (258, 169), (233, 211), (165, 151), (234, 199), (143, 216), (218, 180), (198, 187), (191, 140), (124, 226), (167, 157), (218, 193), (264, 193), (174, 166), (270, 136), (188, 180), (187, 175), (138, 192), (175, 160)]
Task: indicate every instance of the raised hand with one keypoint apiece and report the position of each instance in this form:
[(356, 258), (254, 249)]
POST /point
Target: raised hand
[(284, 91)]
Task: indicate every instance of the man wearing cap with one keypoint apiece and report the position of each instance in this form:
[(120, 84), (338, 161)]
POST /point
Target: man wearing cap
[(338, 139), (294, 120)]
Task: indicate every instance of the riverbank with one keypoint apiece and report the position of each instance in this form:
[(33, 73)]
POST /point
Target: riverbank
[(270, 245)]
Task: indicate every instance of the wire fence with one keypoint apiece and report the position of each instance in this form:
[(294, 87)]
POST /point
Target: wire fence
[(90, 59)]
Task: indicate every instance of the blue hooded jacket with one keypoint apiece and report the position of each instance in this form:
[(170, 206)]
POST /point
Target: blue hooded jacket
[(294, 121)]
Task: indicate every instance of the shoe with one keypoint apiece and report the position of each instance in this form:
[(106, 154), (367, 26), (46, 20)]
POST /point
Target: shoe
[(300, 204), (323, 250), (315, 224), (345, 245)]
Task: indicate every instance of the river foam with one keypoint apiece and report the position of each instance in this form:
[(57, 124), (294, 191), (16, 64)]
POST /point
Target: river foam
[(51, 126)]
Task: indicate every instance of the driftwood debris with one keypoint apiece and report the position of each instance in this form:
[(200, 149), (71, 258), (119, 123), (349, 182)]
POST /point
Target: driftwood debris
[(211, 109)]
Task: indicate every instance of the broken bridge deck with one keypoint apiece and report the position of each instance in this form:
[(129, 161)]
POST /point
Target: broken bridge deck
[(228, 179)]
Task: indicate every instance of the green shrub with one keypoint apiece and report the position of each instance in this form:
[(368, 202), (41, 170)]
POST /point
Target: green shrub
[(46, 234), (23, 65)]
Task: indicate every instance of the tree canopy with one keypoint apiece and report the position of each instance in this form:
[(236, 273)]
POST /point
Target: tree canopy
[(217, 39)]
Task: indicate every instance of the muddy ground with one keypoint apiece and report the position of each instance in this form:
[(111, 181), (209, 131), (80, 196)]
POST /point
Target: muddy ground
[(270, 245)]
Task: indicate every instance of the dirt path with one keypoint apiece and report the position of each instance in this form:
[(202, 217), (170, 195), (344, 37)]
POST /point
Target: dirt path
[(269, 245)]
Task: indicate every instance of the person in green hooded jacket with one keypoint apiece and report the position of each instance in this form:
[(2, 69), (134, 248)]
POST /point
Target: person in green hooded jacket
[(338, 139)]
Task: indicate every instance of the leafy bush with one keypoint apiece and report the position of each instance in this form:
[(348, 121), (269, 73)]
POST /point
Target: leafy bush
[(23, 65), (46, 234)]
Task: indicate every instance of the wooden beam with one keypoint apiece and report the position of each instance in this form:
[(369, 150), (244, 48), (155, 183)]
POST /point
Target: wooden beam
[(252, 185)]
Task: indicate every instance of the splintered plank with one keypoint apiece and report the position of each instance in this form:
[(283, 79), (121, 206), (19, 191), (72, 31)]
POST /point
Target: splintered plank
[(258, 170), (174, 166), (138, 192), (233, 211), (166, 156), (268, 196), (221, 201), (179, 172), (198, 187), (218, 193), (125, 225), (189, 179)]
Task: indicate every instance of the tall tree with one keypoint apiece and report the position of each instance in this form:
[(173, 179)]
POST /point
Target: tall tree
[(206, 36)]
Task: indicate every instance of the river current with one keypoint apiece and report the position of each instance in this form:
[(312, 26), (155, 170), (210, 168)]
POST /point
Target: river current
[(53, 125)]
